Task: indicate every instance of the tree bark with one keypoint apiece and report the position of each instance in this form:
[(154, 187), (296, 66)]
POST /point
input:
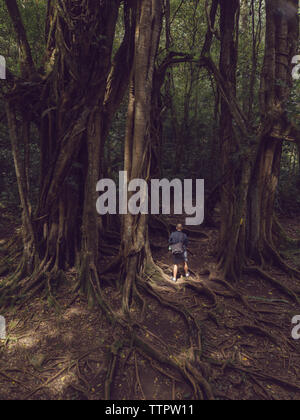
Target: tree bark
[(72, 102), (250, 183), (135, 249), (231, 203), (282, 34)]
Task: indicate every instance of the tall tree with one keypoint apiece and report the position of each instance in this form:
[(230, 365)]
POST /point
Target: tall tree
[(229, 144), (251, 170), (135, 248), (71, 100), (282, 34)]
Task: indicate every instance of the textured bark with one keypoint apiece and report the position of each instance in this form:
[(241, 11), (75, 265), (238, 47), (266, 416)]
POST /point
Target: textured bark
[(135, 246), (282, 33), (232, 205), (72, 103), (26, 62), (27, 229), (73, 121), (250, 183)]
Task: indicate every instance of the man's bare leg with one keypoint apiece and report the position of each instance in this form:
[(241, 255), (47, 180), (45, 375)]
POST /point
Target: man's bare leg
[(175, 271), (186, 269)]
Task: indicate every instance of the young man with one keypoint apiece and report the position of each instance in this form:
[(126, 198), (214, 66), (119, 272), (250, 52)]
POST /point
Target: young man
[(178, 243)]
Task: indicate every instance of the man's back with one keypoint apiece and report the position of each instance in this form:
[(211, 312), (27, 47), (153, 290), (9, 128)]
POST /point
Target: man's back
[(177, 237), (178, 243)]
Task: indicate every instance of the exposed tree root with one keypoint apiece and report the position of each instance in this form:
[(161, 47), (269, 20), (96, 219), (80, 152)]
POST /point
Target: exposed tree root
[(10, 252), (189, 366), (183, 367), (113, 266), (110, 250), (234, 293), (191, 322), (276, 259), (186, 366), (257, 271), (11, 246), (201, 288), (282, 236), (258, 331), (261, 375), (138, 377), (115, 348), (70, 366)]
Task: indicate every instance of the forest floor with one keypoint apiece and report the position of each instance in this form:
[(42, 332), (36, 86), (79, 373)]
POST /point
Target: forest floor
[(65, 350)]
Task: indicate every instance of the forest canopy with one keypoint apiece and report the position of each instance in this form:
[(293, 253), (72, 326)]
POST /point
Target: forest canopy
[(160, 89)]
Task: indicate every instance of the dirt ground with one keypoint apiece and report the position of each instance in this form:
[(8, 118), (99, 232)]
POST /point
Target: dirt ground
[(63, 349)]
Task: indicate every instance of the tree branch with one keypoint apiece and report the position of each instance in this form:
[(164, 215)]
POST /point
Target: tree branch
[(118, 79), (27, 64), (211, 17)]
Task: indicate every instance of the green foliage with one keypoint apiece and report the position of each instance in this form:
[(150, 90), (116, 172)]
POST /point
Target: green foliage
[(33, 14), (190, 99), (288, 195), (8, 187)]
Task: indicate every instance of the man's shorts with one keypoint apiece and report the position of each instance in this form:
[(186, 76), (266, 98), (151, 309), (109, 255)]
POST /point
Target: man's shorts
[(180, 258)]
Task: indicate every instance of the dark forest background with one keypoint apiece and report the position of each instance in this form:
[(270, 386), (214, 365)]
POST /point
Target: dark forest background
[(201, 89)]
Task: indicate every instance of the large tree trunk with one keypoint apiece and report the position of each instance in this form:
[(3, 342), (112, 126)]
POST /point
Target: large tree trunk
[(73, 125), (135, 250), (282, 33), (72, 104), (231, 203), (251, 180)]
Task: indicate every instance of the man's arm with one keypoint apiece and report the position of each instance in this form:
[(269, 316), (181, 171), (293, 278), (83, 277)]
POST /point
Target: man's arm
[(185, 241)]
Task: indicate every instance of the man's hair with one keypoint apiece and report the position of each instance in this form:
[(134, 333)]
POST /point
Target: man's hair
[(179, 226)]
